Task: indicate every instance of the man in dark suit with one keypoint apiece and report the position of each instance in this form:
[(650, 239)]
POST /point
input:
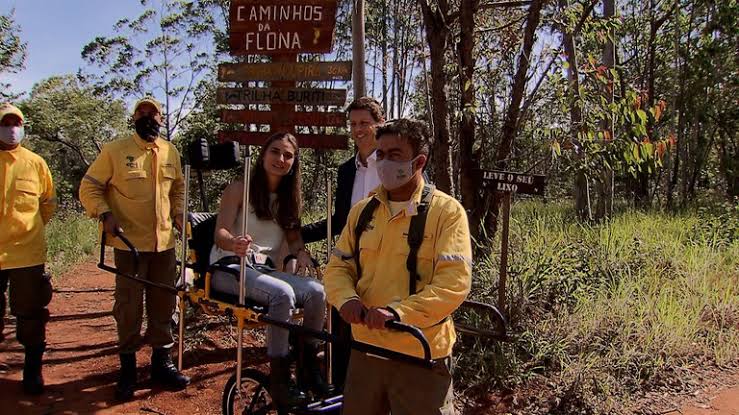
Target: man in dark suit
[(358, 175), (356, 178)]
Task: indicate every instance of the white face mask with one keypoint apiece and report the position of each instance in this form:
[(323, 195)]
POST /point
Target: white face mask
[(394, 174), (12, 136)]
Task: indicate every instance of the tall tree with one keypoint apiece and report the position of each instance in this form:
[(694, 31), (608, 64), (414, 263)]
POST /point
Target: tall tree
[(68, 123), (165, 52), (436, 20), (12, 51)]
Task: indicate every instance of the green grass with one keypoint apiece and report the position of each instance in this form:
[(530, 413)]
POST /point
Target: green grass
[(70, 238), (604, 310)]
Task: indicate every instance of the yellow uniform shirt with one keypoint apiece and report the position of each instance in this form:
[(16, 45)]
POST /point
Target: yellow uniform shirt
[(444, 265), (27, 201), (142, 184)]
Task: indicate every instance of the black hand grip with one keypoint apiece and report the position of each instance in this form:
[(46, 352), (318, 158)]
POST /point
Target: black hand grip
[(413, 331), (126, 242), (498, 333), (135, 276)]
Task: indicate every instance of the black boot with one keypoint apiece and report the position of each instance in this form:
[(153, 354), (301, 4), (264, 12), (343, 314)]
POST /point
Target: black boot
[(126, 378), (164, 372), (284, 394), (33, 382), (312, 378)]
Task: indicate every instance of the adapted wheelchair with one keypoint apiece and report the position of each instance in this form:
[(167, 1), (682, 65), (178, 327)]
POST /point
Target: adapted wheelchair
[(247, 390)]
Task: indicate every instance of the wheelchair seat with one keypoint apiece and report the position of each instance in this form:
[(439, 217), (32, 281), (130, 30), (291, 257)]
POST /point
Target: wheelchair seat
[(203, 225)]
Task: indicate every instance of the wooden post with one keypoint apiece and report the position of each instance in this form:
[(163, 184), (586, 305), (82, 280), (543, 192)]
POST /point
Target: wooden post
[(359, 82), (504, 252), (287, 110)]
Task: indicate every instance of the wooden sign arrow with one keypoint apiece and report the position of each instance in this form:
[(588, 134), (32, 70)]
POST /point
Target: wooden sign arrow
[(287, 71), (506, 181), (294, 96), (322, 141), (328, 119), (268, 27)]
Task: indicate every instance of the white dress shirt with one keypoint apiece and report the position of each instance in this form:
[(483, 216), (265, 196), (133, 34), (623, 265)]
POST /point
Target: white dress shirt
[(366, 179)]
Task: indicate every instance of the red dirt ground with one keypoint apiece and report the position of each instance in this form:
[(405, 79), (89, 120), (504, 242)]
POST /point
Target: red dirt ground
[(81, 362)]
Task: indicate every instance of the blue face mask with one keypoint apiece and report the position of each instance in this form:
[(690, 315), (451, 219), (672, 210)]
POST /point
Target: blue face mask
[(12, 136), (394, 174)]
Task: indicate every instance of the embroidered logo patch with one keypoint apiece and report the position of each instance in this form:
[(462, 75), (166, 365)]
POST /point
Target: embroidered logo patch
[(130, 163)]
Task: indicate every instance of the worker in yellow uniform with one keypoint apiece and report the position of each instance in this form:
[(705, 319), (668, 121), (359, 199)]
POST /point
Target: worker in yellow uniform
[(136, 187), (27, 202), (371, 280)]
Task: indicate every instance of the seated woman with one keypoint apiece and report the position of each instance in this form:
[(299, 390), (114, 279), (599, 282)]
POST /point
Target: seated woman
[(273, 217)]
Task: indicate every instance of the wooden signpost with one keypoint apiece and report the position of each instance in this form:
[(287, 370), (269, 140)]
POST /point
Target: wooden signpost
[(294, 96), (288, 71), (509, 183), (282, 29), (259, 27)]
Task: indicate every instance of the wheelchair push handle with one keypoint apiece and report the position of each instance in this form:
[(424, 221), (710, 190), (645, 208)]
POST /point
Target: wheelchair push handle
[(136, 260), (413, 331), (129, 245)]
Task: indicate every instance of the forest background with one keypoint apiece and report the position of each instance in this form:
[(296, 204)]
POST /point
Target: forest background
[(624, 278)]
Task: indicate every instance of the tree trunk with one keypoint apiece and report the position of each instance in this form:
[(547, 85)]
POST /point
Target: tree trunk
[(514, 109), (437, 35), (358, 53), (469, 186), (604, 206), (580, 188)]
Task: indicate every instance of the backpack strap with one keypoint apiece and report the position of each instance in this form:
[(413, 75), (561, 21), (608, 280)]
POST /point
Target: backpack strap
[(365, 217), (415, 233), (415, 237)]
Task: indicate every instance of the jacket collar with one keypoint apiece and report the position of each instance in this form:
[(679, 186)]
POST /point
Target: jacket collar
[(412, 208), (145, 145)]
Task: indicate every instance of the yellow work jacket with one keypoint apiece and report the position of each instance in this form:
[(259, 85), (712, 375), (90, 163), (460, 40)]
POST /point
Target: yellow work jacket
[(142, 185), (27, 201), (444, 266)]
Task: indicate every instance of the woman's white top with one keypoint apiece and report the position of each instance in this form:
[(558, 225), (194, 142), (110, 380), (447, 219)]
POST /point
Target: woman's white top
[(266, 234)]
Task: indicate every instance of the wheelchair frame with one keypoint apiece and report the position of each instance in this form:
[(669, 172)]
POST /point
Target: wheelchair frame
[(248, 316)]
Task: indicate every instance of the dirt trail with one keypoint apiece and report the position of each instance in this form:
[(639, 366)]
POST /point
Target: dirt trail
[(722, 402), (81, 362)]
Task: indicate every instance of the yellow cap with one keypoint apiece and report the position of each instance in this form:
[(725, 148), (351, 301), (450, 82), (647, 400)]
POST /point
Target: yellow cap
[(148, 100), (8, 108)]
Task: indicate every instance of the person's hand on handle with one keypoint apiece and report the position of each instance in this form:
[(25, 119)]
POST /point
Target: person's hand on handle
[(305, 264), (178, 223), (241, 245), (110, 224), (353, 311), (377, 318)]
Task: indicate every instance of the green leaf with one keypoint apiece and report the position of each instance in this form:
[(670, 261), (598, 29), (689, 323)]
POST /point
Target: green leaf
[(642, 116)]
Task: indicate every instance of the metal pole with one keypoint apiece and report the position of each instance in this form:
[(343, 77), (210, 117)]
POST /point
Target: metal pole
[(329, 249), (183, 271), (242, 274), (504, 252), (358, 75)]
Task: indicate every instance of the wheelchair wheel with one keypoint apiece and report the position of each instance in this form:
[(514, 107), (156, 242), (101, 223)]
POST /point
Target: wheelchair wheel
[(254, 398)]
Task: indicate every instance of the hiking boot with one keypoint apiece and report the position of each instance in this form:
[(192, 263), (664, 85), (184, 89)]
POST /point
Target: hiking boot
[(126, 378), (33, 382), (164, 372), (284, 393), (311, 376)]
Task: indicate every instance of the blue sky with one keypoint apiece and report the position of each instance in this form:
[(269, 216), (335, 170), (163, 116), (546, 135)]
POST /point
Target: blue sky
[(56, 31)]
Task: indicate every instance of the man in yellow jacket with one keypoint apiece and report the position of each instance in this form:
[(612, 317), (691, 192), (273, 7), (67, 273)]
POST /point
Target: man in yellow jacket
[(381, 290), (27, 202), (136, 187)]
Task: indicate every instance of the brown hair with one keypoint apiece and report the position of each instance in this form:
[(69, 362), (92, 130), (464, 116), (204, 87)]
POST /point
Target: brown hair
[(367, 103), (289, 199), (415, 132)]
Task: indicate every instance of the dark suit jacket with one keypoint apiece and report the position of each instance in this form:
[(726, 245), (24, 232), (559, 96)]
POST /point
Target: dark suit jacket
[(343, 203)]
